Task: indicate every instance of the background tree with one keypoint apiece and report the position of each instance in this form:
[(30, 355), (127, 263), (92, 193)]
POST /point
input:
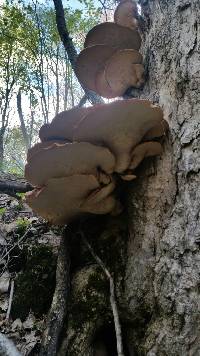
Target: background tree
[(37, 80)]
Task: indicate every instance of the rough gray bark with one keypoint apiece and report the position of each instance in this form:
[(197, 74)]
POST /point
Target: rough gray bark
[(162, 271)]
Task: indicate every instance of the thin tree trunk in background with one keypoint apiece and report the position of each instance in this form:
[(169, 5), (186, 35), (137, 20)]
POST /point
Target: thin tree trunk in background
[(1, 150), (57, 82), (66, 87), (22, 122), (32, 119), (4, 107), (48, 88), (71, 88), (69, 46), (40, 78)]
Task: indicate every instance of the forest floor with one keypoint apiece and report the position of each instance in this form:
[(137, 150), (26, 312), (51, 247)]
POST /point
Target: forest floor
[(28, 254)]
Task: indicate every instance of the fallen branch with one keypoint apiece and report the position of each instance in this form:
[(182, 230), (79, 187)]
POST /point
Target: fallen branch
[(10, 300), (56, 315), (113, 301), (70, 48), (14, 187)]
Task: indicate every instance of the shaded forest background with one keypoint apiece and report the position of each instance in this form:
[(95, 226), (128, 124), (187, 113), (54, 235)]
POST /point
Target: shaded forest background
[(36, 77)]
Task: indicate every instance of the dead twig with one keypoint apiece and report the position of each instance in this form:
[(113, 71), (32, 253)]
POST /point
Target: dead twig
[(113, 301), (17, 243)]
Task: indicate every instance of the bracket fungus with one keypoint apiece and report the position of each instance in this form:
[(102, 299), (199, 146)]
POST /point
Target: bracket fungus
[(127, 63), (113, 35), (109, 49), (78, 177), (97, 66), (63, 125), (120, 126), (63, 199), (126, 14), (67, 159), (90, 61), (143, 150)]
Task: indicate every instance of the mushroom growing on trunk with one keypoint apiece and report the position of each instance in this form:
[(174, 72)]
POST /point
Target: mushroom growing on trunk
[(113, 35), (127, 63), (126, 14), (61, 200), (96, 68), (120, 126), (90, 61), (63, 125), (67, 159), (76, 178)]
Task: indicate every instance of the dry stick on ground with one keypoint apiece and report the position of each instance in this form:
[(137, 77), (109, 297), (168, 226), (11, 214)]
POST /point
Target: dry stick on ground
[(10, 300), (113, 302), (13, 187), (56, 316), (69, 46)]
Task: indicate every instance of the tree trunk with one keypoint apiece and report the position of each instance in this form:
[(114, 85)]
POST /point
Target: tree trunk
[(1, 150), (22, 121), (57, 82), (162, 271)]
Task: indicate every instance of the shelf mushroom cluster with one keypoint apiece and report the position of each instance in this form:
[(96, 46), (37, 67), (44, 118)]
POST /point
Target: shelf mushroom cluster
[(74, 167), (110, 62)]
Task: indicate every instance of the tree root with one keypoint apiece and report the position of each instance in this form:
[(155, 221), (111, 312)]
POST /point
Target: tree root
[(57, 313), (113, 301)]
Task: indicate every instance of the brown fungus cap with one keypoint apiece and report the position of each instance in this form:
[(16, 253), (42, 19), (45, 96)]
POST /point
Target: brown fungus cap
[(143, 150), (34, 150), (90, 61), (126, 13), (63, 199), (120, 126), (61, 160), (157, 131), (102, 86), (63, 125), (127, 64), (113, 35)]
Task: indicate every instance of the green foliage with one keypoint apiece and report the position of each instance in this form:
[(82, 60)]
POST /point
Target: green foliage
[(21, 195), (2, 211), (18, 41), (33, 59), (22, 225)]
